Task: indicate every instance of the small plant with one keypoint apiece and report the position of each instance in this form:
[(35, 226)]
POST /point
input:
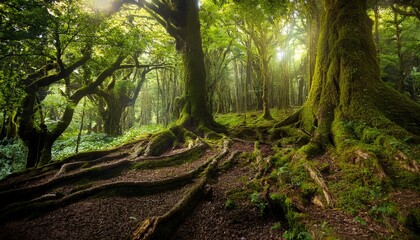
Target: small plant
[(276, 226), (326, 230), (297, 235), (261, 205), (229, 204), (382, 210), (12, 157), (359, 220)]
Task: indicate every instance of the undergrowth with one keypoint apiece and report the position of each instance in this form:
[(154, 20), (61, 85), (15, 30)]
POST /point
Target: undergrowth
[(12, 157), (13, 152), (65, 146)]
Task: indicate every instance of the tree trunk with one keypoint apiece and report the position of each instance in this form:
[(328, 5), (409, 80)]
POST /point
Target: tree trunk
[(313, 31), (195, 111), (301, 98), (112, 125), (398, 30), (3, 126), (264, 68), (346, 85), (238, 87), (34, 132), (377, 42)]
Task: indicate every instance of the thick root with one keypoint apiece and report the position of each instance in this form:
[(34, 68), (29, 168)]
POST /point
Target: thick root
[(317, 177), (103, 171), (161, 227)]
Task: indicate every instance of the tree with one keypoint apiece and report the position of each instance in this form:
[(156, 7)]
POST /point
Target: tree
[(219, 43), (181, 20), (70, 37), (118, 95), (347, 98), (259, 18), (38, 54), (406, 7), (399, 43)]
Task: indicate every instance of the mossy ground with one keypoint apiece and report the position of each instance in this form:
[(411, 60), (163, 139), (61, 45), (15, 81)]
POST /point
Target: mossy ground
[(362, 173)]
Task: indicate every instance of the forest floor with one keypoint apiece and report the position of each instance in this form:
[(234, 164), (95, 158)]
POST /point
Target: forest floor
[(107, 195)]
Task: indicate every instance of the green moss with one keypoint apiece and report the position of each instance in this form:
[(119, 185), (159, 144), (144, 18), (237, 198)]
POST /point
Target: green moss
[(160, 143), (288, 135), (311, 149), (292, 218), (240, 194), (357, 186), (308, 190)]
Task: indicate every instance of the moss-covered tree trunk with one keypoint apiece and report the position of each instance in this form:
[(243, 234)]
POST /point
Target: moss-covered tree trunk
[(195, 111), (181, 20), (346, 85), (112, 125), (265, 77)]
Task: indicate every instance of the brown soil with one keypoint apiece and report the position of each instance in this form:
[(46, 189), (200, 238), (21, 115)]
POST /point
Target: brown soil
[(102, 218), (212, 220)]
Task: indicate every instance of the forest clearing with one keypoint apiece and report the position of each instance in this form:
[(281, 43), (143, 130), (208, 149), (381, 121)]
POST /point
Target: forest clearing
[(210, 119)]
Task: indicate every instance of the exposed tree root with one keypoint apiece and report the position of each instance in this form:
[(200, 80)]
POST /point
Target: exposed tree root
[(103, 171), (161, 227), (121, 188), (95, 157), (317, 177), (229, 161)]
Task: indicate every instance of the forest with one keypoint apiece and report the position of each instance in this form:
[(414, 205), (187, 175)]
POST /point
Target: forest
[(209, 119)]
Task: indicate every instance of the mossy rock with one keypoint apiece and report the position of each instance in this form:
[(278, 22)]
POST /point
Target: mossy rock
[(160, 143), (182, 134)]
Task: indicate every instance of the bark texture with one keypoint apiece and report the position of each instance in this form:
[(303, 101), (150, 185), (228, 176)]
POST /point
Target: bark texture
[(181, 20), (346, 84)]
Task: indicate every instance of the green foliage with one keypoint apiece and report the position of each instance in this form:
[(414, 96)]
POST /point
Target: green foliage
[(359, 220), (327, 231), (12, 157), (65, 145), (276, 226), (229, 204), (259, 202), (297, 235), (383, 209)]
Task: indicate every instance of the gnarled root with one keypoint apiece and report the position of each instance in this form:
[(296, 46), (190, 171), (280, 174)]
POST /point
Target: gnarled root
[(161, 227)]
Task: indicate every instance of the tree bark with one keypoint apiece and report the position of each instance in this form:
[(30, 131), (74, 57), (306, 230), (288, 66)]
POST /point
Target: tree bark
[(314, 22), (398, 38), (34, 133), (346, 85)]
